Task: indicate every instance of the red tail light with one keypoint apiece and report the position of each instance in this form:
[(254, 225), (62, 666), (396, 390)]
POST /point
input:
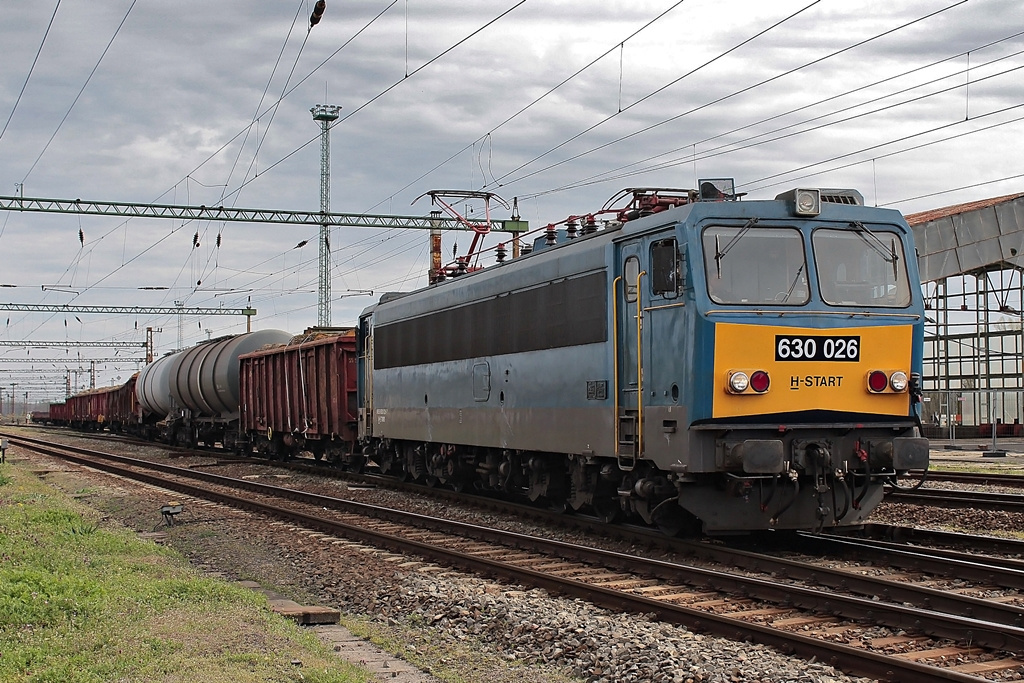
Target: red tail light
[(759, 381), (877, 381)]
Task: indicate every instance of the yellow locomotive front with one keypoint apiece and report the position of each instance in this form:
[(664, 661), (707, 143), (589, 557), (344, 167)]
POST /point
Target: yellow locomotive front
[(779, 370), (810, 337)]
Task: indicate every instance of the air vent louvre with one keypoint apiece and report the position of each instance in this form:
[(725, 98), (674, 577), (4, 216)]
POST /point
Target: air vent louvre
[(852, 197)]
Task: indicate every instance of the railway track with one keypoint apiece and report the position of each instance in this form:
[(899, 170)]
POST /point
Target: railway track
[(984, 500), (984, 635), (978, 478)]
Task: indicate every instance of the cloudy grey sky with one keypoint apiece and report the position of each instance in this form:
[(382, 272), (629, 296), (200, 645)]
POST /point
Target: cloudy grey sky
[(559, 103)]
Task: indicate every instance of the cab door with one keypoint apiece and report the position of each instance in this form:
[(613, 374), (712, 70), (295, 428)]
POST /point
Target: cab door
[(364, 374), (628, 297)]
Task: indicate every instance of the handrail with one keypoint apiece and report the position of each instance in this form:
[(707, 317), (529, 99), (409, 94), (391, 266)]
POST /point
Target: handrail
[(639, 370), (615, 360)]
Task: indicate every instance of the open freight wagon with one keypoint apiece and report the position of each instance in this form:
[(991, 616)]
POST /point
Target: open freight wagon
[(301, 397)]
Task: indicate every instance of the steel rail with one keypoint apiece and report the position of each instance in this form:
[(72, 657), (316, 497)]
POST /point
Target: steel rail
[(1007, 572), (1003, 573), (979, 478), (904, 535), (985, 500)]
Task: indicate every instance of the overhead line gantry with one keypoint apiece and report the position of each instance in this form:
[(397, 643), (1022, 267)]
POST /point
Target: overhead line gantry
[(74, 344), (40, 361), (226, 213), (321, 219)]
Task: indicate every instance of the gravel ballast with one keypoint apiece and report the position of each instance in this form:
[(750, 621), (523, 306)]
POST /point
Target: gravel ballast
[(456, 626)]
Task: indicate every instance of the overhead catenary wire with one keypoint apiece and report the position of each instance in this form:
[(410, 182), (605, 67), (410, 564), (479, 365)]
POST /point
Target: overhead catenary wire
[(266, 131), (228, 143), (616, 173), (706, 105), (32, 68), (950, 191), (82, 90), (210, 241), (902, 151), (651, 94), (550, 91), (781, 134)]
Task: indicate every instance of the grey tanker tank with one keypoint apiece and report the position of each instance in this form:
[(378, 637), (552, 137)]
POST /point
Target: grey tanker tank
[(195, 392)]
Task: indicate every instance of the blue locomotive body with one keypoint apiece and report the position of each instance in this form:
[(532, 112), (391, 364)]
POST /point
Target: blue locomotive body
[(733, 365)]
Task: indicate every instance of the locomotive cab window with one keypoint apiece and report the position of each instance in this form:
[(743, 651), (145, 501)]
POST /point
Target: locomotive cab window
[(861, 267), (665, 268), (630, 272), (755, 266)]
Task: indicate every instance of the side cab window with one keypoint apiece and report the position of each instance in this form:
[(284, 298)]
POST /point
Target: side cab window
[(666, 269), (630, 273)]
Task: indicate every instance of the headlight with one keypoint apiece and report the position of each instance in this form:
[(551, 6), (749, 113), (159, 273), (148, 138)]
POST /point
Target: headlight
[(738, 382), (808, 202), (898, 381)]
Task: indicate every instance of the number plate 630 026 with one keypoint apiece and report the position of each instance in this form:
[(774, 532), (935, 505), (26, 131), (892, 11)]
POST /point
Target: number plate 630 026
[(817, 348)]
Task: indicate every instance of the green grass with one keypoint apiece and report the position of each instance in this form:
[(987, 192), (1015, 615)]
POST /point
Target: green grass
[(81, 604)]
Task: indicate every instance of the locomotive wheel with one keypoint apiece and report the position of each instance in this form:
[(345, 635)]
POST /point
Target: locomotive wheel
[(386, 462), (672, 520), (561, 506), (607, 510)]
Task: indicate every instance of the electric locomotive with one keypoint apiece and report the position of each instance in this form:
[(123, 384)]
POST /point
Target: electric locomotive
[(695, 362)]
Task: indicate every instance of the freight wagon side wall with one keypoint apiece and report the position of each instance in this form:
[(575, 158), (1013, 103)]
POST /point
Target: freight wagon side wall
[(124, 407), (59, 413), (307, 389)]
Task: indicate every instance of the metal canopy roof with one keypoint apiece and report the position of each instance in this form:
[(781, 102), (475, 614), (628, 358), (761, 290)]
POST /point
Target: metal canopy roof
[(970, 238)]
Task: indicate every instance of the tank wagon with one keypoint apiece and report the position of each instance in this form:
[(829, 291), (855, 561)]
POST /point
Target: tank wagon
[(699, 362), (302, 397), (192, 396)]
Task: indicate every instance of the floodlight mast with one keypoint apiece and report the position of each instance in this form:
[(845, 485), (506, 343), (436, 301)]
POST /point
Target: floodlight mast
[(325, 114)]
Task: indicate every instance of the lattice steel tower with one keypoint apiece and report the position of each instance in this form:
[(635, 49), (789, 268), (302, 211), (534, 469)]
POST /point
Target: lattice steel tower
[(325, 114)]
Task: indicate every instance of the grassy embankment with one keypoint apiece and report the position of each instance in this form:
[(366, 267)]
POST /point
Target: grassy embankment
[(79, 603)]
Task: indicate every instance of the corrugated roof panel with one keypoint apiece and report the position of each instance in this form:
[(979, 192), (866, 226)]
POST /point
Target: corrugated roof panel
[(969, 237)]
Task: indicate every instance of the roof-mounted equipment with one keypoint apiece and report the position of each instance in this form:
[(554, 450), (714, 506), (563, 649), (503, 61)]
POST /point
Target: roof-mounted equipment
[(718, 190), (645, 201), (807, 201)]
